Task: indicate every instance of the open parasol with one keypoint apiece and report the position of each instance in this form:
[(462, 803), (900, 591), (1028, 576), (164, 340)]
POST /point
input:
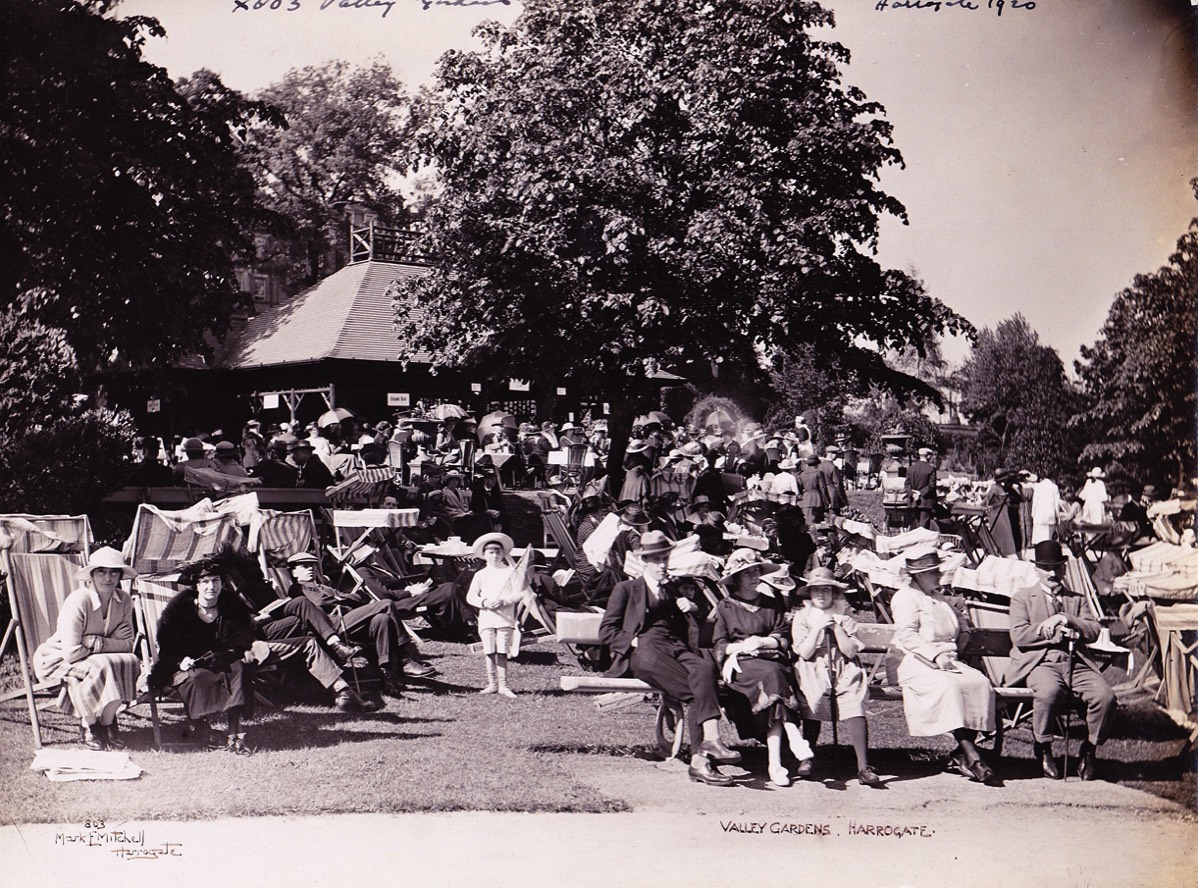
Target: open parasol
[(717, 418), (449, 411), (494, 422), (336, 415), (653, 417)]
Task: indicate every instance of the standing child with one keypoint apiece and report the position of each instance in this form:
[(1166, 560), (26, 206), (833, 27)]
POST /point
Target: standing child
[(495, 591), (823, 639)]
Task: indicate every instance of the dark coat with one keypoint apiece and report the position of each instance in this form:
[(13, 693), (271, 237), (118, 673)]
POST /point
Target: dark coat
[(921, 481), (181, 633), (624, 619), (314, 474), (838, 498), (1029, 608), (275, 473)]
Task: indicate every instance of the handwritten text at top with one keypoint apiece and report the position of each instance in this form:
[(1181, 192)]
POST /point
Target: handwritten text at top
[(384, 6), (995, 6)]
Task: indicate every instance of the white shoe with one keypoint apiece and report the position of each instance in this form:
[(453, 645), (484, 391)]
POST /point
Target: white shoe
[(505, 691), (489, 689), (779, 776)]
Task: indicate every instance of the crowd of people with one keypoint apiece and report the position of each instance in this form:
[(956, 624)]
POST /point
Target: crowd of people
[(714, 561)]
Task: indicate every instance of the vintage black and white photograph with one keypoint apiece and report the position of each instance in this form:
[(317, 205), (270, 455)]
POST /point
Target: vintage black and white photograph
[(599, 442)]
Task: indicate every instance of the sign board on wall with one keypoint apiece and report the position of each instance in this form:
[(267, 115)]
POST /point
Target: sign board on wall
[(517, 385), (476, 387), (399, 399), (270, 402), (154, 405), (561, 392)]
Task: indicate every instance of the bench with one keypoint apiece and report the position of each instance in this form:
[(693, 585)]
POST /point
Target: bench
[(876, 640)]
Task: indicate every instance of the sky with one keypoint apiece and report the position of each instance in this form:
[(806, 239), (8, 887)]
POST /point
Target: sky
[(1048, 149)]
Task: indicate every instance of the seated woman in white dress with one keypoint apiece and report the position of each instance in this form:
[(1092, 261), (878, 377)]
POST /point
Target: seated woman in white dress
[(940, 694), (91, 650)]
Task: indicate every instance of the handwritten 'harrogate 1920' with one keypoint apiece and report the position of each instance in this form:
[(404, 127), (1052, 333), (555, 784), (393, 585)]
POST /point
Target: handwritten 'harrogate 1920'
[(384, 5), (997, 6)]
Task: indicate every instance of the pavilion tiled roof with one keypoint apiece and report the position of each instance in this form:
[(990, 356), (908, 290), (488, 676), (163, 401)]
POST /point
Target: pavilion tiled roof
[(347, 316)]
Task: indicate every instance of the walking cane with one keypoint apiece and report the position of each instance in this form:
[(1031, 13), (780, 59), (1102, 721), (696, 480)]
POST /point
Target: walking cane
[(1069, 704), (833, 704)]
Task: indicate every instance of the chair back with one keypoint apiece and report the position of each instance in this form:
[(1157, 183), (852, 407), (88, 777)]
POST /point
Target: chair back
[(275, 537), (162, 541), (467, 448)]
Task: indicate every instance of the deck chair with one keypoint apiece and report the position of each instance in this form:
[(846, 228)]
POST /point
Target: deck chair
[(555, 529), (161, 541), (39, 555), (150, 596), (367, 485), (1179, 663), (276, 536)]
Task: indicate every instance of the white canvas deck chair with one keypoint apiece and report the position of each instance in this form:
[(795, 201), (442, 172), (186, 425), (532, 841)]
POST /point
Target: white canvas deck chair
[(39, 555)]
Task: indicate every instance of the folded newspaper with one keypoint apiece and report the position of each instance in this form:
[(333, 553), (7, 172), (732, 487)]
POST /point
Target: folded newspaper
[(62, 765)]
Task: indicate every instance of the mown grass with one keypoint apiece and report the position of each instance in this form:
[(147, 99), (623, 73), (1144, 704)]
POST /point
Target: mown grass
[(441, 747)]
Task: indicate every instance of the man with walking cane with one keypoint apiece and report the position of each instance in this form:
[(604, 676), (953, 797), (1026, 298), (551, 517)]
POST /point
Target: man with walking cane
[(1048, 621)]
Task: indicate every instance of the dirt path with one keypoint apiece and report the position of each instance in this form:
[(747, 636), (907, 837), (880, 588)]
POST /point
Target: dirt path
[(936, 830)]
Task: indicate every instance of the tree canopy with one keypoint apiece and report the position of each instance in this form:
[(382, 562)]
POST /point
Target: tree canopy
[(1139, 378), (1016, 390), (347, 131), (674, 180), (125, 206)]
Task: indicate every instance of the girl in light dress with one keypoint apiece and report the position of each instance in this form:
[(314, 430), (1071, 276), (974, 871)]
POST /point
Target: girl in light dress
[(823, 638)]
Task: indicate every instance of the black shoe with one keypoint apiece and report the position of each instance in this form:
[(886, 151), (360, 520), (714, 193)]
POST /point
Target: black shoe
[(1047, 763), (392, 686), (1087, 762), (415, 668), (805, 768), (95, 737), (868, 777), (718, 752), (348, 701), (114, 736), (236, 745), (706, 772), (983, 773), (957, 763)]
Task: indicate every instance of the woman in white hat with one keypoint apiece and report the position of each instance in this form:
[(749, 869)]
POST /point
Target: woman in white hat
[(752, 645), (1094, 497), (91, 651), (940, 694), (823, 636)]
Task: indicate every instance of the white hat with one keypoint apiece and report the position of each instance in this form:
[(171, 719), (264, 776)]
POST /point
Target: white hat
[(1096, 472), (503, 539), (107, 557)]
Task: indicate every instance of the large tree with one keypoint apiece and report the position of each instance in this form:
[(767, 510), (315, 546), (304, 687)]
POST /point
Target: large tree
[(1015, 389), (676, 180), (1139, 378), (125, 205), (347, 131)]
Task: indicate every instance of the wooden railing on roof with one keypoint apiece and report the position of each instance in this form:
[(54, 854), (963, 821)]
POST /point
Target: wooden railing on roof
[(386, 245)]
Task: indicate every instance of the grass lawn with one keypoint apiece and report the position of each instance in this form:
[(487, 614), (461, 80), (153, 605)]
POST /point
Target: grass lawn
[(441, 747)]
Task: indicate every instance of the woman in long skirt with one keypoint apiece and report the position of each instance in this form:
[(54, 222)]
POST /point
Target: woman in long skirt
[(940, 694), (91, 650)]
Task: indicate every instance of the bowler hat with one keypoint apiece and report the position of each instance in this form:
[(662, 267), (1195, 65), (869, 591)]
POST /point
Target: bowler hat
[(1048, 553)]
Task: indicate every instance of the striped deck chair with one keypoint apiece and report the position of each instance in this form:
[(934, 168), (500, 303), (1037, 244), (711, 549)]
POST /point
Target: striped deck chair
[(161, 540), (150, 596), (275, 537), (39, 555)]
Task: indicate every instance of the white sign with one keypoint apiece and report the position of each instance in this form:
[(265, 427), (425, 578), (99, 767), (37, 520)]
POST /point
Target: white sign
[(153, 405), (606, 409), (561, 391), (517, 385), (476, 387), (270, 402), (399, 399)]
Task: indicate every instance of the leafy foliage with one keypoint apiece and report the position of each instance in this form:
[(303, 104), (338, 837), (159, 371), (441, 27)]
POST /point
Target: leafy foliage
[(124, 201), (346, 132), (1015, 388), (818, 389), (629, 179), (1140, 379), (37, 374)]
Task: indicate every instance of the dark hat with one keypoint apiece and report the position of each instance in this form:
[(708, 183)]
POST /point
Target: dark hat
[(823, 576), (193, 445), (635, 516), (190, 574), (226, 449), (921, 559), (1048, 553), (813, 460), (299, 444), (654, 544)]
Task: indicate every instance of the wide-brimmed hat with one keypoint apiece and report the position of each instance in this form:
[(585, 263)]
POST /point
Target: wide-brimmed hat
[(1048, 554), (1096, 472), (921, 559), (654, 544), (831, 448), (226, 449), (567, 426), (634, 515), (926, 451), (636, 445), (108, 557), (779, 579), (822, 576), (1001, 475), (691, 449), (788, 465), (744, 559), (502, 538)]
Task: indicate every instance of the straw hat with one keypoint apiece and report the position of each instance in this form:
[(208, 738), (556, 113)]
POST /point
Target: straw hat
[(1096, 472), (105, 557), (502, 538), (744, 559), (921, 559), (823, 576)]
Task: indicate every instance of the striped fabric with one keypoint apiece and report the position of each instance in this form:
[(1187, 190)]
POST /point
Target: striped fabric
[(161, 541), (40, 584), (361, 484), (46, 533), (151, 595), (276, 536), (376, 517), (90, 684)]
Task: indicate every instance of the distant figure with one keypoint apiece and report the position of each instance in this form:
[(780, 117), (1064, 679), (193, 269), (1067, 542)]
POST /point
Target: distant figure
[(921, 482)]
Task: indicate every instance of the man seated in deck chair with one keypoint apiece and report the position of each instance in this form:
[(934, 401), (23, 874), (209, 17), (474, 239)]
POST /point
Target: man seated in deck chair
[(1048, 621), (375, 625), (443, 606)]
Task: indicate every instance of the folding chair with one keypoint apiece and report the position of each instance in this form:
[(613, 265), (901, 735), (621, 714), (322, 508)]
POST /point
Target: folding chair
[(275, 537), (150, 597), (367, 485), (39, 555), (161, 541)]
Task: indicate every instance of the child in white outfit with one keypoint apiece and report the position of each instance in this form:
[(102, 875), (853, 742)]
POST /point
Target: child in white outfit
[(495, 591)]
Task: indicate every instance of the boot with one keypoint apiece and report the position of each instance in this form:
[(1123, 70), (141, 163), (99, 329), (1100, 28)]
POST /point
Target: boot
[(94, 737), (1048, 764), (114, 736)]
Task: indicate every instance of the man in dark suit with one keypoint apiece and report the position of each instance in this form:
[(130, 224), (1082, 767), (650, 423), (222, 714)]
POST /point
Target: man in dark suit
[(656, 638), (838, 497), (312, 472), (274, 470), (1048, 621), (921, 487), (813, 491)]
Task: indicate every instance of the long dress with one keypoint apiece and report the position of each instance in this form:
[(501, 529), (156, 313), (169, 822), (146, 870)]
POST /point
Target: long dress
[(936, 701), (91, 680), (815, 678), (1093, 496), (764, 679)]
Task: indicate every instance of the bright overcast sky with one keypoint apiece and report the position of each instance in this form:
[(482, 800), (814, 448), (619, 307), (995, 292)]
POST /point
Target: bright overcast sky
[(1048, 150)]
